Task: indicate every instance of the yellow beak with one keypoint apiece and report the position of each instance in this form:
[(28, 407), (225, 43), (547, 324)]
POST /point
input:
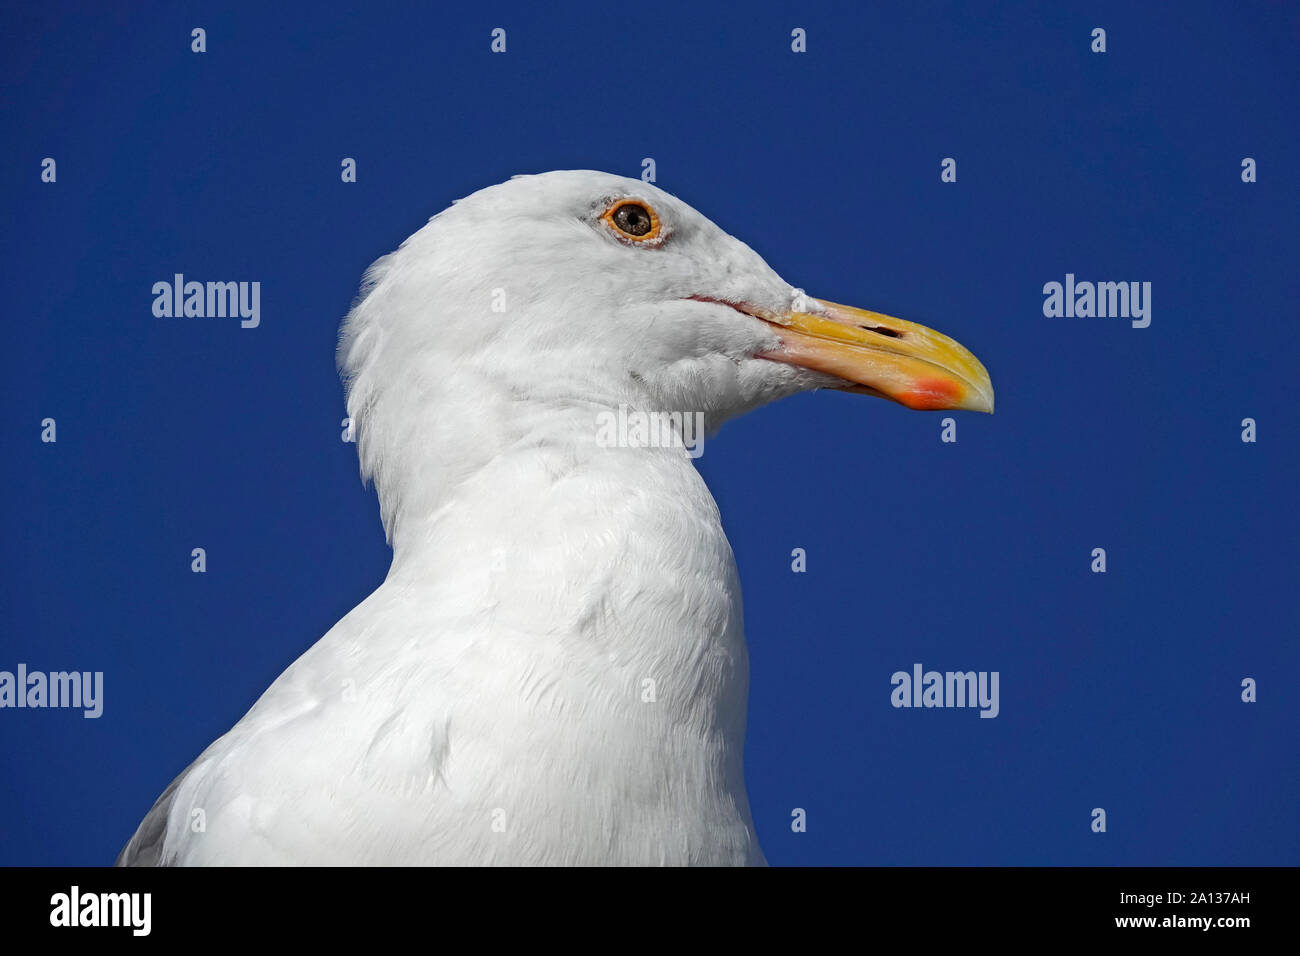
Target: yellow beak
[(881, 355)]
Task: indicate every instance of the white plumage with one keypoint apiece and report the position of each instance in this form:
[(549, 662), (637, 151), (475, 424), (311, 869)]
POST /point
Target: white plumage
[(487, 703)]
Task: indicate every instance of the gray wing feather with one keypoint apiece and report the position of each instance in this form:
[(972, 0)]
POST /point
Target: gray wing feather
[(145, 847)]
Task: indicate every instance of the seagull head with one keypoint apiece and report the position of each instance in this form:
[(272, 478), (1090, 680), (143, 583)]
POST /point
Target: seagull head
[(581, 289)]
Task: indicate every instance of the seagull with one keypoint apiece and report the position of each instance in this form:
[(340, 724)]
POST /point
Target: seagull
[(554, 671)]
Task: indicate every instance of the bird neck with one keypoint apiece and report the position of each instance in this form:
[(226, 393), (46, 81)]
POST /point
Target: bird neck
[(537, 495), (595, 592), (539, 528)]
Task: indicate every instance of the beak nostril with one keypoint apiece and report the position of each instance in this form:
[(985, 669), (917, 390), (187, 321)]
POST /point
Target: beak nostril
[(880, 329)]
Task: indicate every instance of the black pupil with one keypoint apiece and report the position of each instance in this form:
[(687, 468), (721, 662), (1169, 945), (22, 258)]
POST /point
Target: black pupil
[(632, 219)]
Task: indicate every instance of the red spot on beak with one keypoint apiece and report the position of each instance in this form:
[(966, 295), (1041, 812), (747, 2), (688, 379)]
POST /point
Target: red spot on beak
[(932, 394)]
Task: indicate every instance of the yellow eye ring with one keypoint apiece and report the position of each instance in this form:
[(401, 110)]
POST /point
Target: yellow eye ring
[(633, 220)]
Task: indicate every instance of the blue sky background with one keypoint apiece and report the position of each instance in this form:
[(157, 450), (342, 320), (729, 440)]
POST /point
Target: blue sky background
[(1119, 690)]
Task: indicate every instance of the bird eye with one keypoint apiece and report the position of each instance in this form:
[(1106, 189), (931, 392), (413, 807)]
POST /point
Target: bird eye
[(632, 219)]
